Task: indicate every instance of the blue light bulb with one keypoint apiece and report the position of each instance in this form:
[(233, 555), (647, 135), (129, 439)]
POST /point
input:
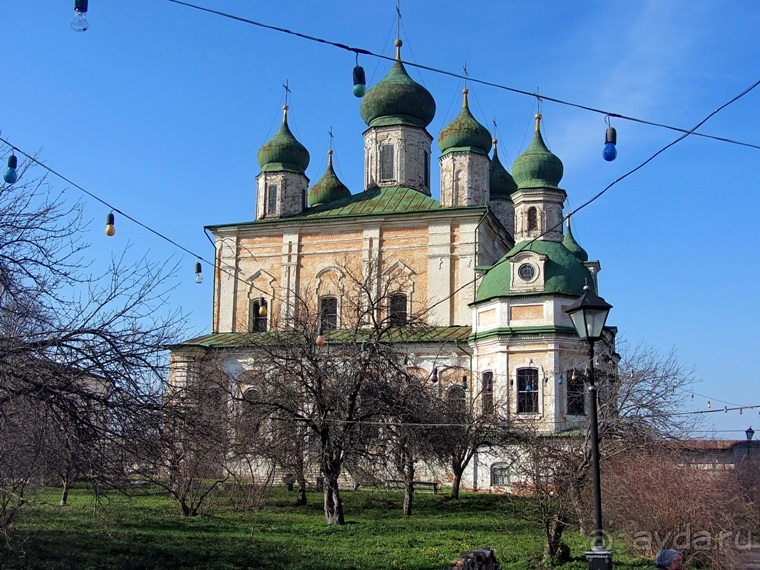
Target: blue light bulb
[(11, 175), (610, 140)]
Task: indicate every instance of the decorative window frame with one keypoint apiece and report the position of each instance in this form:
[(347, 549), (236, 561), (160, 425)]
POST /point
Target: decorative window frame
[(254, 293), (538, 262)]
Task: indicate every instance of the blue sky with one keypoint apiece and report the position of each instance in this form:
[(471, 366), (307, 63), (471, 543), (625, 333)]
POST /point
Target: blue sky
[(160, 109)]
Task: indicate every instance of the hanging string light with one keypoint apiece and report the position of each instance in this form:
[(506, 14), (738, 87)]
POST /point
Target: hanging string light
[(110, 229), (610, 140), (434, 376), (360, 79), (198, 272), (320, 340), (11, 175), (262, 307), (79, 23), (464, 382)]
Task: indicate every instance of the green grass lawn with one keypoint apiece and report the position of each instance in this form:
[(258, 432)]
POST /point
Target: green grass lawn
[(147, 532)]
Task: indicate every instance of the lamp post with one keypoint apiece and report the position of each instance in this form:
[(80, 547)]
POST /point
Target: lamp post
[(589, 314), (750, 433)]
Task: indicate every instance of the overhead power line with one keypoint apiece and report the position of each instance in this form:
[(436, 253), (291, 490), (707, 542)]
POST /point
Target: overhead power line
[(363, 51)]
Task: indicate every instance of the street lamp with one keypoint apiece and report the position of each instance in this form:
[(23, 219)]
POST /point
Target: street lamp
[(589, 314), (750, 434)]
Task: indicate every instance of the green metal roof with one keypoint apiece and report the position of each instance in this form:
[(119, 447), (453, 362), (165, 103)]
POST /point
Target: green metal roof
[(399, 335), (565, 273), (390, 201)]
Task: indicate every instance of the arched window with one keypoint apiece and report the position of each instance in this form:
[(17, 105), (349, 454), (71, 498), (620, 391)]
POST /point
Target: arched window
[(456, 402), (486, 395), (532, 219), (397, 309), (272, 199), (256, 321), (527, 391), (328, 313)]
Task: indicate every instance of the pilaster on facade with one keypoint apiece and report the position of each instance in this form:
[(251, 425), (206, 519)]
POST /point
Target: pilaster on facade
[(440, 274), (464, 179), (397, 155), (289, 288), (226, 280), (371, 260)]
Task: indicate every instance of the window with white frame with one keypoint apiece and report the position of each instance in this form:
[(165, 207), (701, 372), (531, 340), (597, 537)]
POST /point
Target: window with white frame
[(527, 391)]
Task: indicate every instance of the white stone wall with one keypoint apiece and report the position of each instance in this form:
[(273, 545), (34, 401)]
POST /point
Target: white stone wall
[(411, 157), (465, 179), (291, 194), (548, 204)]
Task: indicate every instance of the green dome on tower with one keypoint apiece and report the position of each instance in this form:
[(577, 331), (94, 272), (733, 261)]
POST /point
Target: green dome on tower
[(398, 99), (328, 188), (283, 151), (502, 184), (565, 274), (569, 242), (465, 133), (537, 167)]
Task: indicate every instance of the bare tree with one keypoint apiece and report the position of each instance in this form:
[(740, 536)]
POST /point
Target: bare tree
[(84, 352), (469, 427), (702, 512), (639, 401), (334, 392)]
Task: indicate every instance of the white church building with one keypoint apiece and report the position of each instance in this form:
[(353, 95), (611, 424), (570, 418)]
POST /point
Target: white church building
[(492, 264)]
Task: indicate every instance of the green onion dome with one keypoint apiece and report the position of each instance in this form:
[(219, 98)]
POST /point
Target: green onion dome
[(465, 133), (569, 242), (565, 274), (328, 188), (397, 99), (502, 184), (283, 151), (537, 167)]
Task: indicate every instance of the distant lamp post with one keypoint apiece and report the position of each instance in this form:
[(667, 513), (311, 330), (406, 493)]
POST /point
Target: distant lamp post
[(750, 433), (589, 314)]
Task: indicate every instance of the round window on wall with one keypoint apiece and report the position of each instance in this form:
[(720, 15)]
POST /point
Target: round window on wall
[(526, 272)]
